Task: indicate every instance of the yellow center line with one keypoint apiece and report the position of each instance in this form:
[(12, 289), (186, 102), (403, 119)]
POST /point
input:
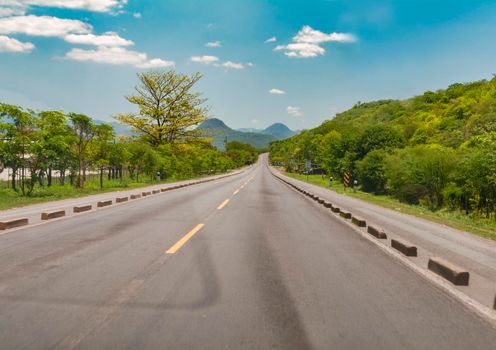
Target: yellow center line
[(236, 192), (185, 239), (223, 204)]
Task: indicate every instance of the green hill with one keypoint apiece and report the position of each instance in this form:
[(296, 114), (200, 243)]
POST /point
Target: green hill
[(437, 149), (279, 131), (220, 132)]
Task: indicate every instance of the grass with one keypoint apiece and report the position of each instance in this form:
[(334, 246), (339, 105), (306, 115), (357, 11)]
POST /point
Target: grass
[(10, 199), (479, 226)]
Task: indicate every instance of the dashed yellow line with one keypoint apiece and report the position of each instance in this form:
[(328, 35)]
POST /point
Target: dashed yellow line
[(223, 204), (185, 239), (236, 192)]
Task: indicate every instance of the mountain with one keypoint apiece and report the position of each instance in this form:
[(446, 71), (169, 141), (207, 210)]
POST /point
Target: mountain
[(279, 131), (218, 131)]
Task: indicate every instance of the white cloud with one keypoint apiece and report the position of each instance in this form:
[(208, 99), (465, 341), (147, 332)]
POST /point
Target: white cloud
[(90, 5), (204, 59), (294, 111), (117, 56), (106, 39), (277, 92), (13, 45), (309, 35), (214, 44), (231, 65), (137, 15), (306, 43), (271, 40), (304, 50), (42, 26)]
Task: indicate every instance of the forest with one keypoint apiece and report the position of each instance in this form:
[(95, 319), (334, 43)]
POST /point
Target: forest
[(436, 150), (44, 149)]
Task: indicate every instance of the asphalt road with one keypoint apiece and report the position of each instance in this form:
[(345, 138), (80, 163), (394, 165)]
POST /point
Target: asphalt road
[(240, 263), (476, 254)]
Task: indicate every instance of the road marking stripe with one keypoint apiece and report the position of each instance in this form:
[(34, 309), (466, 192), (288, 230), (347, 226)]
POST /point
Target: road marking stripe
[(236, 192), (223, 204), (185, 239)]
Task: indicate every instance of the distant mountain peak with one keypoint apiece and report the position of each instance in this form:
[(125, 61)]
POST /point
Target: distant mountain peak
[(279, 131), (214, 123)]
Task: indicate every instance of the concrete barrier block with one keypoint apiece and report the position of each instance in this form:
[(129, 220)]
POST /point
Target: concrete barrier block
[(377, 233), (336, 210), (144, 194), (345, 215), (155, 191), (121, 199), (102, 204), (359, 222), (7, 224), (82, 208), (321, 200), (52, 215), (404, 247), (455, 274), (328, 205), (135, 196)]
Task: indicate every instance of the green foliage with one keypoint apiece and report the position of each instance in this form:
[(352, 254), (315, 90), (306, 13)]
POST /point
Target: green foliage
[(437, 149), (371, 172), (241, 153), (167, 107), (36, 145)]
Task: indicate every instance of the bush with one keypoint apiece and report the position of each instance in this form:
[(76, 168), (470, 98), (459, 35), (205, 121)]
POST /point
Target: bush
[(371, 172)]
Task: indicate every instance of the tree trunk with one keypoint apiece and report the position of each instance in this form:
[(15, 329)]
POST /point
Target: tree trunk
[(14, 171), (49, 177), (101, 177)]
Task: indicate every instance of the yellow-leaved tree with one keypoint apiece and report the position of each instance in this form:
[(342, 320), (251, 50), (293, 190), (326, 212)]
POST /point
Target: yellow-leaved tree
[(168, 109)]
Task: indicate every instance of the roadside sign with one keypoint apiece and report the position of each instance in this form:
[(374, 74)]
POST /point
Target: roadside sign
[(308, 164), (346, 178)]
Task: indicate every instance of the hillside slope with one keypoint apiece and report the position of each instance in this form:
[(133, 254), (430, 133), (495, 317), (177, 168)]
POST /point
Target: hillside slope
[(220, 132), (437, 149)]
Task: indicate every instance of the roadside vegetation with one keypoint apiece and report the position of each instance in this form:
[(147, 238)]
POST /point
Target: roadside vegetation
[(479, 226), (435, 152), (53, 154)]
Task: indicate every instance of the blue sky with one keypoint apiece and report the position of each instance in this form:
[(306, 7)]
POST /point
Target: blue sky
[(324, 56)]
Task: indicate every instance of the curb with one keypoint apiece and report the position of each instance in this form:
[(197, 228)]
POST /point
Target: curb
[(359, 222), (377, 233), (404, 247), (449, 271), (102, 204), (4, 225), (52, 215), (81, 208), (121, 199)]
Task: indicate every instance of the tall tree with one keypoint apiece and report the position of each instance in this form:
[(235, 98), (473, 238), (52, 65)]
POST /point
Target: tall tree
[(167, 107), (18, 132), (55, 143), (83, 131)]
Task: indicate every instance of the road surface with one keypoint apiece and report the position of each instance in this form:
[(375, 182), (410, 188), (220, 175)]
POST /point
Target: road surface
[(243, 262), (476, 254)]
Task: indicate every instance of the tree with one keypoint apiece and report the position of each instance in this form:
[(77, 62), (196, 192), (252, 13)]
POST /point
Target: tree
[(55, 143), (83, 131), (378, 137), (167, 107), (101, 148), (19, 135), (420, 173), (371, 172)]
